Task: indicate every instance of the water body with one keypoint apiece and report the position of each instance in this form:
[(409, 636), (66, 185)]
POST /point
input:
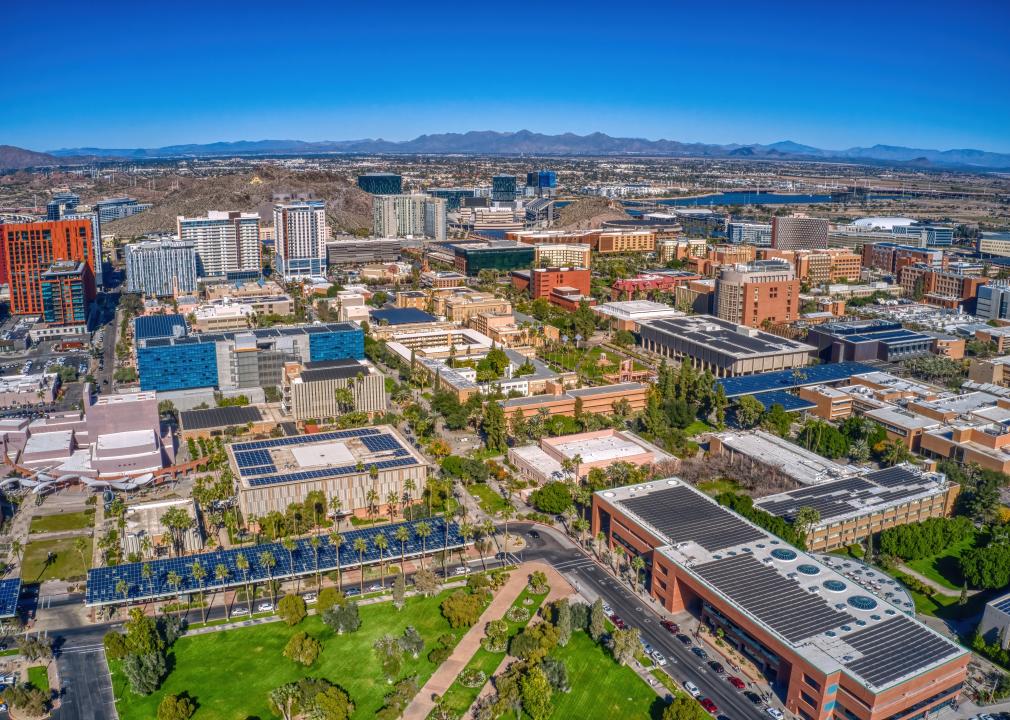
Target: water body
[(747, 198)]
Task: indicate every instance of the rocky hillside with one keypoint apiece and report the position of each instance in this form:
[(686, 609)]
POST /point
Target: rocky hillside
[(590, 213), (348, 209)]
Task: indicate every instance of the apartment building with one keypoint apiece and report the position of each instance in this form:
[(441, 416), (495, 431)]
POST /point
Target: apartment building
[(943, 288), (225, 242), (743, 233), (819, 267), (606, 241), (562, 255), (890, 257), (161, 269), (764, 291), (301, 233)]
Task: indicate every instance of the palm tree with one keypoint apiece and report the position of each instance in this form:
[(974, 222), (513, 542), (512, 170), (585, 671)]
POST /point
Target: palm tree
[(576, 465), (450, 509), (147, 573), (391, 500), (402, 534), (174, 580), (372, 499), (81, 547), (409, 486), (382, 543), (423, 531), (242, 563), (507, 513), (637, 564), (336, 506), (466, 531), (199, 572), (268, 561), (314, 543), (360, 546), (618, 553), (581, 526), (17, 547), (123, 588), (336, 540), (221, 575), (289, 545)]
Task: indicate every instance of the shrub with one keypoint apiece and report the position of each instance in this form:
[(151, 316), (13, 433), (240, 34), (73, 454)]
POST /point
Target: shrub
[(518, 614), (292, 610), (461, 609)]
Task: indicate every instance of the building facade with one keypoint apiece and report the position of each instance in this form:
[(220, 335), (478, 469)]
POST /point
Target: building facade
[(741, 233), (310, 390), (504, 188), (409, 216), (161, 269), (225, 242), (68, 288), (301, 235), (753, 294), (562, 255), (799, 233), (381, 183), (118, 208), (30, 249), (544, 280), (993, 301)]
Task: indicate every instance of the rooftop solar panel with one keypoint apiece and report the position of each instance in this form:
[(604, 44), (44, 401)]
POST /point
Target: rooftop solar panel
[(788, 379), (220, 417), (789, 402), (775, 600), (681, 514), (895, 648), (1003, 604), (9, 591)]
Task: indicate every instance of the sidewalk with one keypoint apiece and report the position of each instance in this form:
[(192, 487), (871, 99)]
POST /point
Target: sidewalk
[(448, 671)]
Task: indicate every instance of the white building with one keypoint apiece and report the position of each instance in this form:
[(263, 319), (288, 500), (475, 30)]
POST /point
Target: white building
[(301, 233), (161, 269), (225, 241), (409, 216)]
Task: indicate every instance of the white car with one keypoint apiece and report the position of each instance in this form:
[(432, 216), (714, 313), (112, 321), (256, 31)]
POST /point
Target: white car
[(374, 588), (659, 658), (607, 609), (265, 607), (646, 647), (775, 713), (461, 571), (692, 689), (240, 611), (309, 597)]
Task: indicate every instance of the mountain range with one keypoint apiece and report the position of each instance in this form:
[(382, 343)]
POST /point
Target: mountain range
[(526, 142)]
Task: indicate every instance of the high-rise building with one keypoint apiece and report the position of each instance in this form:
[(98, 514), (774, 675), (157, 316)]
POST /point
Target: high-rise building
[(436, 222), (452, 196), (504, 188), (741, 233), (562, 255), (994, 301), (301, 234), (751, 294), (799, 232), (381, 183), (118, 208), (60, 204), (409, 216), (161, 269), (225, 242), (96, 240), (31, 248), (67, 289), (543, 182)]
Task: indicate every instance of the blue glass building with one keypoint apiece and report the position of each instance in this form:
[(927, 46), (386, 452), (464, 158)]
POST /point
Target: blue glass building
[(381, 183), (542, 179), (504, 188)]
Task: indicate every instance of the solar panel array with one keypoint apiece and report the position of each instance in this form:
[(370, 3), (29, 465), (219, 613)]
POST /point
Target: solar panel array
[(333, 471), (1003, 604), (682, 514), (895, 648), (303, 439), (772, 598), (104, 583), (9, 592), (788, 379), (788, 401)]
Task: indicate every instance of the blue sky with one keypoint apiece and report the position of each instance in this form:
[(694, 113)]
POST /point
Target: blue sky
[(111, 74)]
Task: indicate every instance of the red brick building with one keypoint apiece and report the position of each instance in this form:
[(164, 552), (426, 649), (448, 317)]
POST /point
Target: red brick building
[(544, 280), (831, 649), (30, 249)]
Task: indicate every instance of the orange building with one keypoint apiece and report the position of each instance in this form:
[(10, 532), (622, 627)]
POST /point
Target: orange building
[(544, 280), (944, 288), (31, 248), (749, 295), (594, 400), (830, 648)]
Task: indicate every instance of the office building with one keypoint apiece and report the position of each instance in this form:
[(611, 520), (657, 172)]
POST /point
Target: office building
[(60, 204), (986, 444), (347, 250), (235, 360), (544, 280), (453, 196), (994, 244), (599, 400), (832, 646), (504, 188), (889, 257), (29, 249), (161, 269), (776, 459), (994, 627), (441, 279), (799, 232), (381, 183), (495, 255), (924, 235), (225, 242), (409, 216), (545, 462), (743, 233), (301, 236), (819, 267), (604, 241), (865, 340), (118, 208), (542, 180), (562, 255), (25, 391), (628, 314), (724, 348), (993, 301), (67, 289), (763, 291), (309, 389), (944, 288)]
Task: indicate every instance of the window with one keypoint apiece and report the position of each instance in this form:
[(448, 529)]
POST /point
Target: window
[(808, 700), (812, 683)]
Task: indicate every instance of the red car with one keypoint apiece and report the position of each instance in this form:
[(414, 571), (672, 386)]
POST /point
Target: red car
[(736, 682), (670, 626), (616, 619), (709, 706)]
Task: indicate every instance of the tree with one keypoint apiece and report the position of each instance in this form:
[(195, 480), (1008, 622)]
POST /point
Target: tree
[(302, 648), (291, 608), (683, 707), (412, 642), (176, 707), (534, 642), (144, 672), (461, 609), (623, 644), (381, 543), (553, 498), (284, 700), (423, 531), (637, 564), (399, 591), (343, 618), (597, 620), (748, 411), (425, 582), (390, 654), (178, 522), (337, 540), (536, 694), (563, 622), (805, 519), (242, 563), (557, 674), (268, 562), (776, 420), (496, 435), (199, 573)]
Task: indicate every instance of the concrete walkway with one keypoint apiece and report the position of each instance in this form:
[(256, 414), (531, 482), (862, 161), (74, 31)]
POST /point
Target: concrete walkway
[(943, 590), (447, 672)]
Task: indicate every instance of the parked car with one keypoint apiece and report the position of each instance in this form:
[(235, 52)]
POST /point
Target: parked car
[(659, 658), (240, 611), (461, 570), (709, 706), (717, 667), (374, 587), (700, 652), (265, 607), (754, 698), (670, 626), (607, 609), (774, 713), (534, 534), (646, 647), (351, 592), (691, 688), (616, 619), (309, 597), (736, 682), (684, 639)]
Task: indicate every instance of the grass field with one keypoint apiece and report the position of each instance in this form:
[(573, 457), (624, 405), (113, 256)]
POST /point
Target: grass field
[(229, 673), (66, 564), (63, 521), (490, 501), (720, 485), (945, 568), (697, 427), (39, 677), (600, 687)]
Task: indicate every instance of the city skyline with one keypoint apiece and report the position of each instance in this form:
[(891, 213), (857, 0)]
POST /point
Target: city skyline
[(831, 78)]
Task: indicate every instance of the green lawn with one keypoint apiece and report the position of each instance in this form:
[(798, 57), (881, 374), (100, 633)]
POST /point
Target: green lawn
[(63, 521), (721, 485), (229, 673), (945, 568), (66, 564), (697, 427), (39, 677), (490, 502), (600, 687)]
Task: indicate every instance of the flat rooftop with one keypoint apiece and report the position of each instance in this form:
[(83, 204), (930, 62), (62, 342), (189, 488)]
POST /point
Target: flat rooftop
[(792, 460), (790, 379), (725, 337), (257, 334), (851, 497), (614, 448), (344, 369), (219, 417), (637, 309), (834, 623), (962, 403), (900, 418)]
